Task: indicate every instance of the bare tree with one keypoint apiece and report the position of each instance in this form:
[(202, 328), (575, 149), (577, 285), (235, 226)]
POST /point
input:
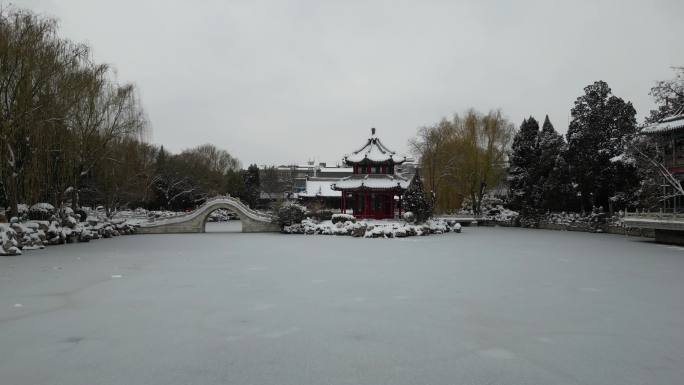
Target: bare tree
[(32, 63), (652, 169), (106, 112)]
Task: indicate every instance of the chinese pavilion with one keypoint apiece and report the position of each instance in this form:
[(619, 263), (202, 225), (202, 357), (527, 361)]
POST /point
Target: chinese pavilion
[(371, 190)]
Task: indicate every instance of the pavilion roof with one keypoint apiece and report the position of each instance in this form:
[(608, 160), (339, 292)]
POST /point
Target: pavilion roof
[(671, 123), (371, 182), (374, 151)]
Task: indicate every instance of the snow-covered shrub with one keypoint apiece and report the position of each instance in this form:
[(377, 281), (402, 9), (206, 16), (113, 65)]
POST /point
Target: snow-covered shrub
[(297, 228), (320, 215), (502, 214), (290, 214), (41, 212), (596, 221), (336, 218), (437, 226), (409, 217), (493, 212), (81, 214), (23, 211)]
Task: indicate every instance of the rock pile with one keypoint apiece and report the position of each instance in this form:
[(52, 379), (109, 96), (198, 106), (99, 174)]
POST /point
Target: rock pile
[(17, 236)]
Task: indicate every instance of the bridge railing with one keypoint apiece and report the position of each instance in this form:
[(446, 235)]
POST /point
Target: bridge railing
[(661, 215), (245, 209), (254, 214), (242, 205)]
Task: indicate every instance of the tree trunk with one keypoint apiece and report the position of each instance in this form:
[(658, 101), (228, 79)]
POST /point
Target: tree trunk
[(12, 198), (75, 203)]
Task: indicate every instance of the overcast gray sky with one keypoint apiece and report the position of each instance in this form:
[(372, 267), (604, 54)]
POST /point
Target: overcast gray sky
[(277, 82)]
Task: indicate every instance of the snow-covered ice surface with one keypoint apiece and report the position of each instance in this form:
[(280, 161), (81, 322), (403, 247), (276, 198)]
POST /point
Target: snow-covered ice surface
[(489, 306)]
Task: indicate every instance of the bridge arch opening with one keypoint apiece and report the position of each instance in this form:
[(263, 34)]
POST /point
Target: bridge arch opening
[(222, 220)]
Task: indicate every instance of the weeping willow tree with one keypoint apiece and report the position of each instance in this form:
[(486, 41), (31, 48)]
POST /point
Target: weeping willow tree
[(464, 157), (61, 114)]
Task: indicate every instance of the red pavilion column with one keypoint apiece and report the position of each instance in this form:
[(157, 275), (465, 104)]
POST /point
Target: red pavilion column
[(343, 203), (400, 205)]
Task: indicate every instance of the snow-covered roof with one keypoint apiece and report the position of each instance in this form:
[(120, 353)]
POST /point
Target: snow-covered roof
[(671, 123), (337, 169), (374, 151), (319, 188), (296, 167), (622, 158), (43, 207), (371, 181)]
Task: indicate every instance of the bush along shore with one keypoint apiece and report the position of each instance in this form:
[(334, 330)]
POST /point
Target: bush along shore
[(342, 224), (45, 226)]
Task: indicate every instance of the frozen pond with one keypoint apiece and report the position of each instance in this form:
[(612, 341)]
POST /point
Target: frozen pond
[(489, 306)]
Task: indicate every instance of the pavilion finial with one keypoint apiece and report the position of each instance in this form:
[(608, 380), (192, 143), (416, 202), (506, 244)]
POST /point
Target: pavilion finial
[(373, 131)]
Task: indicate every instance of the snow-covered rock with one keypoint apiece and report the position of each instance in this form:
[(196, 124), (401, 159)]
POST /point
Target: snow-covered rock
[(222, 215), (9, 245), (26, 235), (373, 228)]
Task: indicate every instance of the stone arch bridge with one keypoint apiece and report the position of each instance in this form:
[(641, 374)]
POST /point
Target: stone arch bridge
[(194, 222)]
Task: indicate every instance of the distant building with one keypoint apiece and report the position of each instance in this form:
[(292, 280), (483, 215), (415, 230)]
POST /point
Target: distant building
[(297, 175), (375, 187)]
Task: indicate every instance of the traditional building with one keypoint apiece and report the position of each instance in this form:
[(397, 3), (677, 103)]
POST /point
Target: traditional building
[(319, 193), (313, 188), (374, 189), (669, 133)]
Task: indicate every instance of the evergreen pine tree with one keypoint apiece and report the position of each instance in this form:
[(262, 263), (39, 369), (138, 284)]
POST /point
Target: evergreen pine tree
[(160, 179), (523, 170), (234, 184), (252, 185), (416, 201), (601, 124), (552, 169)]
